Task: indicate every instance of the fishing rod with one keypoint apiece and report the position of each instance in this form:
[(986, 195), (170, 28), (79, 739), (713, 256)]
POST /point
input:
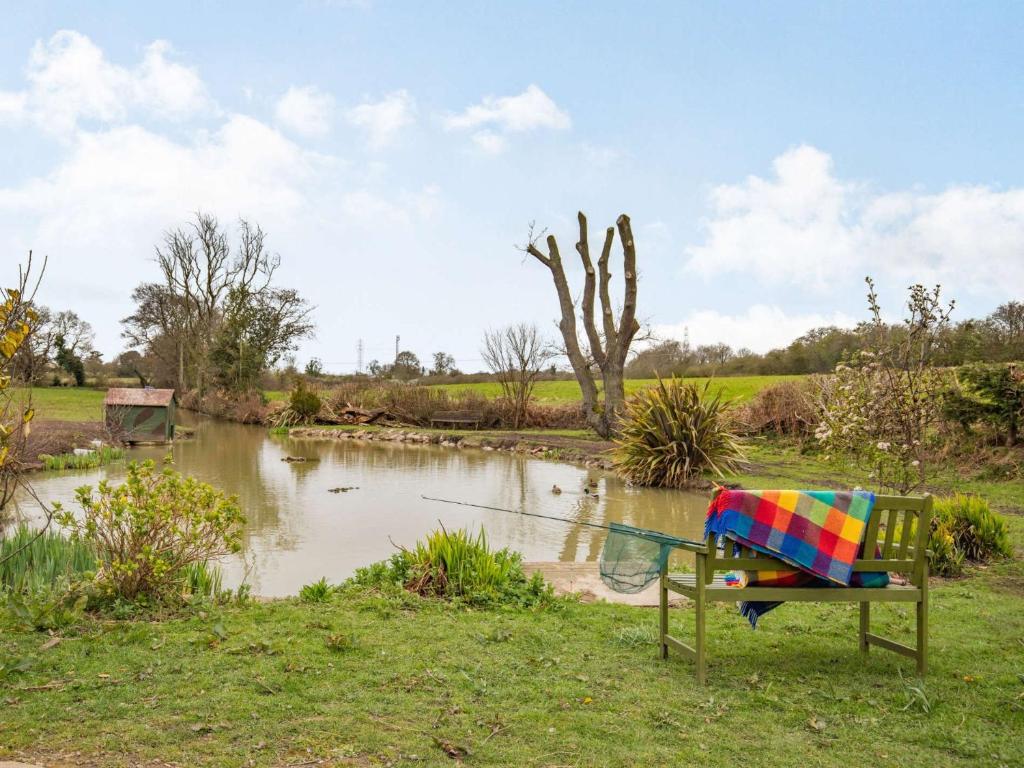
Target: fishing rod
[(639, 532)]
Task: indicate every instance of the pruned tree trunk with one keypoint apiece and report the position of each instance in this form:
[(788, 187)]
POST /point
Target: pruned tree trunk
[(607, 345)]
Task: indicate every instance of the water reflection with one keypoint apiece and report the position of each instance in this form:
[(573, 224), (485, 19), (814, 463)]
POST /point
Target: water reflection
[(298, 531)]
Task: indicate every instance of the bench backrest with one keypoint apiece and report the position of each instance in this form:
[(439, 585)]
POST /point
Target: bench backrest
[(457, 415), (898, 526)]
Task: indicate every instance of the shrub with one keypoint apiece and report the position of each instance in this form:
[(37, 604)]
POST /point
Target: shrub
[(789, 408), (978, 532), (991, 393), (149, 531), (305, 403), (458, 565), (673, 433)]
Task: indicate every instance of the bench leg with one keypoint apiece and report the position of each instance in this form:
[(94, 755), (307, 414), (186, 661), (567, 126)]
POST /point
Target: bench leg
[(700, 606), (922, 629), (663, 615), (865, 626)]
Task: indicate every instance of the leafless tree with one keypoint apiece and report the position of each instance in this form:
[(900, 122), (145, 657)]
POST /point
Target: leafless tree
[(516, 354), (608, 346), (204, 281)]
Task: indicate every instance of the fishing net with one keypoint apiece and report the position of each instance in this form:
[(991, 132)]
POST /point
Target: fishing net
[(633, 557)]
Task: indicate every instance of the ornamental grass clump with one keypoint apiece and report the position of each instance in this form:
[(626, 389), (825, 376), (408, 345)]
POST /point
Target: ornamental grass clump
[(978, 532), (459, 565), (673, 433), (151, 531)]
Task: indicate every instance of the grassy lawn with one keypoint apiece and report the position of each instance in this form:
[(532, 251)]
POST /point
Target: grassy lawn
[(558, 392), (65, 403), (367, 679)]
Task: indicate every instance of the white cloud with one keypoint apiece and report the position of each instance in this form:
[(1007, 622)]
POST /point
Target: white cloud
[(806, 227), (382, 120), (305, 110), (70, 80), (490, 142), (116, 185), (760, 328), (493, 117)]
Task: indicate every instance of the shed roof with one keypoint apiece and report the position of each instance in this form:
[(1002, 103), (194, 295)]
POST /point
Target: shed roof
[(137, 396)]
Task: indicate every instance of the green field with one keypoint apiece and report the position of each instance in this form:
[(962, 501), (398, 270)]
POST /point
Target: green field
[(64, 403), (737, 388), (560, 392)]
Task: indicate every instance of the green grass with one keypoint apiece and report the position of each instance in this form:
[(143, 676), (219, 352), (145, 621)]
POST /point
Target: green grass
[(64, 403), (365, 679), (738, 388), (98, 458)]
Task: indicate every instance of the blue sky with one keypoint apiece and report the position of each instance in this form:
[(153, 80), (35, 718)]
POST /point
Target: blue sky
[(770, 155)]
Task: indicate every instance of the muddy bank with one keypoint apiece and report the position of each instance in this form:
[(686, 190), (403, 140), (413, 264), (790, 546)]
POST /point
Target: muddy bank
[(591, 453)]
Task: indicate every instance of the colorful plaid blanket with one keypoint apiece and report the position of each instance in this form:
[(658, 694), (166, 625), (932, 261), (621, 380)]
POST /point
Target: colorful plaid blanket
[(819, 532), (810, 530)]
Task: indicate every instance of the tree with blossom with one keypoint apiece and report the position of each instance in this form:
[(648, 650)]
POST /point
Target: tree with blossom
[(881, 406)]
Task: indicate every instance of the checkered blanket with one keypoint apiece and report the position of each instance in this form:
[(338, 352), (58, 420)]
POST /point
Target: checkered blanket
[(819, 532)]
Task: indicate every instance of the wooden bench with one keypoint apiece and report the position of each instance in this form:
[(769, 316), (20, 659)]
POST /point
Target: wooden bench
[(457, 417), (891, 516)]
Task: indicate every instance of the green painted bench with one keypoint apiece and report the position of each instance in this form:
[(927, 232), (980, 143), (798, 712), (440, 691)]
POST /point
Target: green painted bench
[(890, 524)]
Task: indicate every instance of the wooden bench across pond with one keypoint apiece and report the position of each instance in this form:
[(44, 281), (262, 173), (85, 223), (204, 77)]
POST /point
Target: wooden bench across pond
[(908, 517), (457, 417)]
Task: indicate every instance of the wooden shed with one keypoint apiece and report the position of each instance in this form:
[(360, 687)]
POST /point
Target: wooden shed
[(141, 415)]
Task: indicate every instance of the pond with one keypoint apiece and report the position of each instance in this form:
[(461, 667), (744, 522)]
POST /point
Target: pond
[(298, 531)]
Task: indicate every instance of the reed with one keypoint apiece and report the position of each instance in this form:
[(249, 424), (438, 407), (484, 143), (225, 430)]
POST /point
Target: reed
[(29, 561), (98, 458)]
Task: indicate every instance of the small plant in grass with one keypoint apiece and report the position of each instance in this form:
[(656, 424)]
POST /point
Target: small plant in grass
[(317, 592), (673, 433), (48, 606), (150, 530)]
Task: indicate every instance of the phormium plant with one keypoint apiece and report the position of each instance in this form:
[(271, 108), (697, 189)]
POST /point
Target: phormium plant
[(673, 433)]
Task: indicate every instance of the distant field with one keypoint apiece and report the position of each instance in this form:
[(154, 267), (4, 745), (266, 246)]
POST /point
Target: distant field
[(65, 403), (557, 392)]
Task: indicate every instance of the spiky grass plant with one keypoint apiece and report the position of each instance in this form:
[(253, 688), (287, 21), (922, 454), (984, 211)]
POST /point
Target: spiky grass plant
[(29, 560), (673, 433)]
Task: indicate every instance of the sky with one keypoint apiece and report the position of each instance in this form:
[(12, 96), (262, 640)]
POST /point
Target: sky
[(770, 156)]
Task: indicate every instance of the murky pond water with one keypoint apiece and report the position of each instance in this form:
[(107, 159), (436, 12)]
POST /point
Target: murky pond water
[(298, 531)]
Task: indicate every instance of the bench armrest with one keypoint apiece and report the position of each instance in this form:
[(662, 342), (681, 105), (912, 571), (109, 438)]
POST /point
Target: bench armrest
[(699, 549)]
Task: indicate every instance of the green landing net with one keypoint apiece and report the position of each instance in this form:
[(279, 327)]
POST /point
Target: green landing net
[(633, 557)]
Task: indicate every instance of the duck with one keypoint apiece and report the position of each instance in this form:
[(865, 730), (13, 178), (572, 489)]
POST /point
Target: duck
[(592, 483), (555, 489)]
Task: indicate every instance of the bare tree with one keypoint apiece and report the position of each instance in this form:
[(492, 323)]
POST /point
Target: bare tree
[(212, 298), (516, 354), (608, 347)]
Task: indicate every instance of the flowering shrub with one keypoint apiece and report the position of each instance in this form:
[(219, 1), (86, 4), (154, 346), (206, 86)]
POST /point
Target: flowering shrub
[(881, 406), (150, 531)]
